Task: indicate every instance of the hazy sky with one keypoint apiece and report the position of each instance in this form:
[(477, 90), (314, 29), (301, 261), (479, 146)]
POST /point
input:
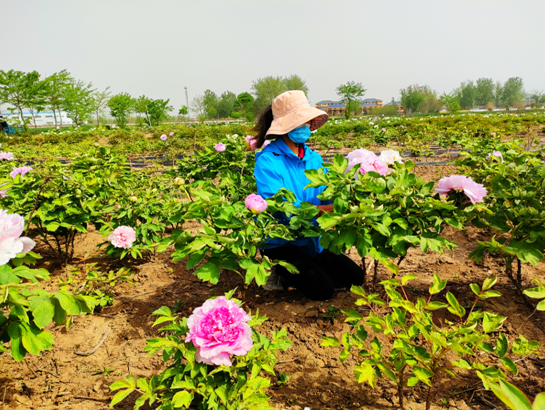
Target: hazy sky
[(158, 47)]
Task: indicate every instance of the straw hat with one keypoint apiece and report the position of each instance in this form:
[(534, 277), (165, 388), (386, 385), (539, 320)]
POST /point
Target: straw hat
[(291, 109)]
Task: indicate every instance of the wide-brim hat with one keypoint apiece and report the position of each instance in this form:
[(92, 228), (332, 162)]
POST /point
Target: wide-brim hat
[(291, 109)]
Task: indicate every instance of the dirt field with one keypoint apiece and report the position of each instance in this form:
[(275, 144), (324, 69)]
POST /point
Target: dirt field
[(59, 379)]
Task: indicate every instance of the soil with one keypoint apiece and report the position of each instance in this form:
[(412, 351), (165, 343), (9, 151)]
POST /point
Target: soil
[(60, 379)]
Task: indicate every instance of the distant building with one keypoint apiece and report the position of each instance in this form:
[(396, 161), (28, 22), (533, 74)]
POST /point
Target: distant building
[(336, 108), (41, 118)]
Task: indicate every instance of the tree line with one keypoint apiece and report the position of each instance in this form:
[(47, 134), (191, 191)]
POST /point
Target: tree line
[(245, 105), (482, 93), (81, 102)]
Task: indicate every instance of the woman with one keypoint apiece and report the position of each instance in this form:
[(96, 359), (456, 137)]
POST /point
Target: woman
[(288, 122)]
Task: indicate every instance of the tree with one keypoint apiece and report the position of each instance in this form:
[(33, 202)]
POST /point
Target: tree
[(498, 91), (294, 82), (183, 110), (265, 90), (226, 104), (121, 105), (99, 100), (431, 102), (77, 101), (537, 97), (56, 84), (484, 91), (244, 102), (23, 90), (153, 111), (197, 106), (452, 102), (420, 98), (467, 93), (513, 92), (350, 92), (411, 99), (210, 100)]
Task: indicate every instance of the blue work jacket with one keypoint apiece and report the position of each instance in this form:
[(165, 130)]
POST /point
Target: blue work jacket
[(278, 167)]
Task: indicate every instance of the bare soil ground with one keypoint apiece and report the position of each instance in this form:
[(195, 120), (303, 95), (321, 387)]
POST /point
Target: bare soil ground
[(60, 379)]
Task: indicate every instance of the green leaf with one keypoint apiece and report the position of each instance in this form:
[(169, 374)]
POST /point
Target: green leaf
[(455, 308), (182, 399), (43, 311), (515, 396), (502, 344), (344, 355), (490, 294), (475, 288), (462, 364), (376, 345), (437, 285), (407, 278), (436, 305), (365, 373), (523, 346), (35, 340), (196, 258), (68, 302), (18, 352), (412, 381), (489, 282), (330, 342), (539, 402), (210, 271), (422, 374), (510, 365), (492, 321)]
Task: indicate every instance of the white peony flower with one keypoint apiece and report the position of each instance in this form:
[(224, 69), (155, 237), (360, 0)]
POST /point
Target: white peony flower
[(11, 228), (390, 156)]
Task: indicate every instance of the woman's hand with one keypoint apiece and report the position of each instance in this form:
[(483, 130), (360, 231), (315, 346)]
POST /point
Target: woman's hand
[(324, 208)]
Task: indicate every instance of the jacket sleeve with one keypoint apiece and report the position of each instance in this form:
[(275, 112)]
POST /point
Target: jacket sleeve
[(268, 177)]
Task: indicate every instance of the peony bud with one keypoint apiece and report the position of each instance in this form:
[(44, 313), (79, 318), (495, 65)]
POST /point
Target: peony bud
[(255, 203)]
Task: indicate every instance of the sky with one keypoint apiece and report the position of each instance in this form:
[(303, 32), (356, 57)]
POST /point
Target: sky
[(156, 48)]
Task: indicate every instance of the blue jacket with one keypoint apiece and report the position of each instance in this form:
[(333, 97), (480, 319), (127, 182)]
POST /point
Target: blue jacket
[(278, 167)]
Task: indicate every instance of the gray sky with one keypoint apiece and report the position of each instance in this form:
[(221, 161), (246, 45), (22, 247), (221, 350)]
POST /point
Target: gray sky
[(158, 47)]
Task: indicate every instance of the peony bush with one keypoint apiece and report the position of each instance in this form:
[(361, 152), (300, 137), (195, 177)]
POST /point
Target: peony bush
[(216, 358)]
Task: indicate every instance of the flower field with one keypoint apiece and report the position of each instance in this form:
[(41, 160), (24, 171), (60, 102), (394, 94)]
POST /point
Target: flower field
[(131, 273)]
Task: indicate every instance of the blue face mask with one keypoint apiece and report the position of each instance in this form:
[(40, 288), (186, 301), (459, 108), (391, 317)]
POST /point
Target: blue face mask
[(300, 134)]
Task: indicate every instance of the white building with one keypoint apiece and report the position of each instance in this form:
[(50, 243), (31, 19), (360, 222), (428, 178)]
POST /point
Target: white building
[(42, 118)]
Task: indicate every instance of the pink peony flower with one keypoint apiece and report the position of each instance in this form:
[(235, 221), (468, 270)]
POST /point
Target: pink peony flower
[(384, 130), (255, 203), (163, 137), (3, 194), (171, 134), (220, 147), (248, 138), (368, 162), (6, 155), (267, 142), (11, 228), (20, 170), (496, 154), (122, 237), (460, 183), (219, 328)]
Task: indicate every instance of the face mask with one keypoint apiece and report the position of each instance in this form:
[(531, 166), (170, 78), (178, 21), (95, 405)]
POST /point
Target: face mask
[(300, 134)]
